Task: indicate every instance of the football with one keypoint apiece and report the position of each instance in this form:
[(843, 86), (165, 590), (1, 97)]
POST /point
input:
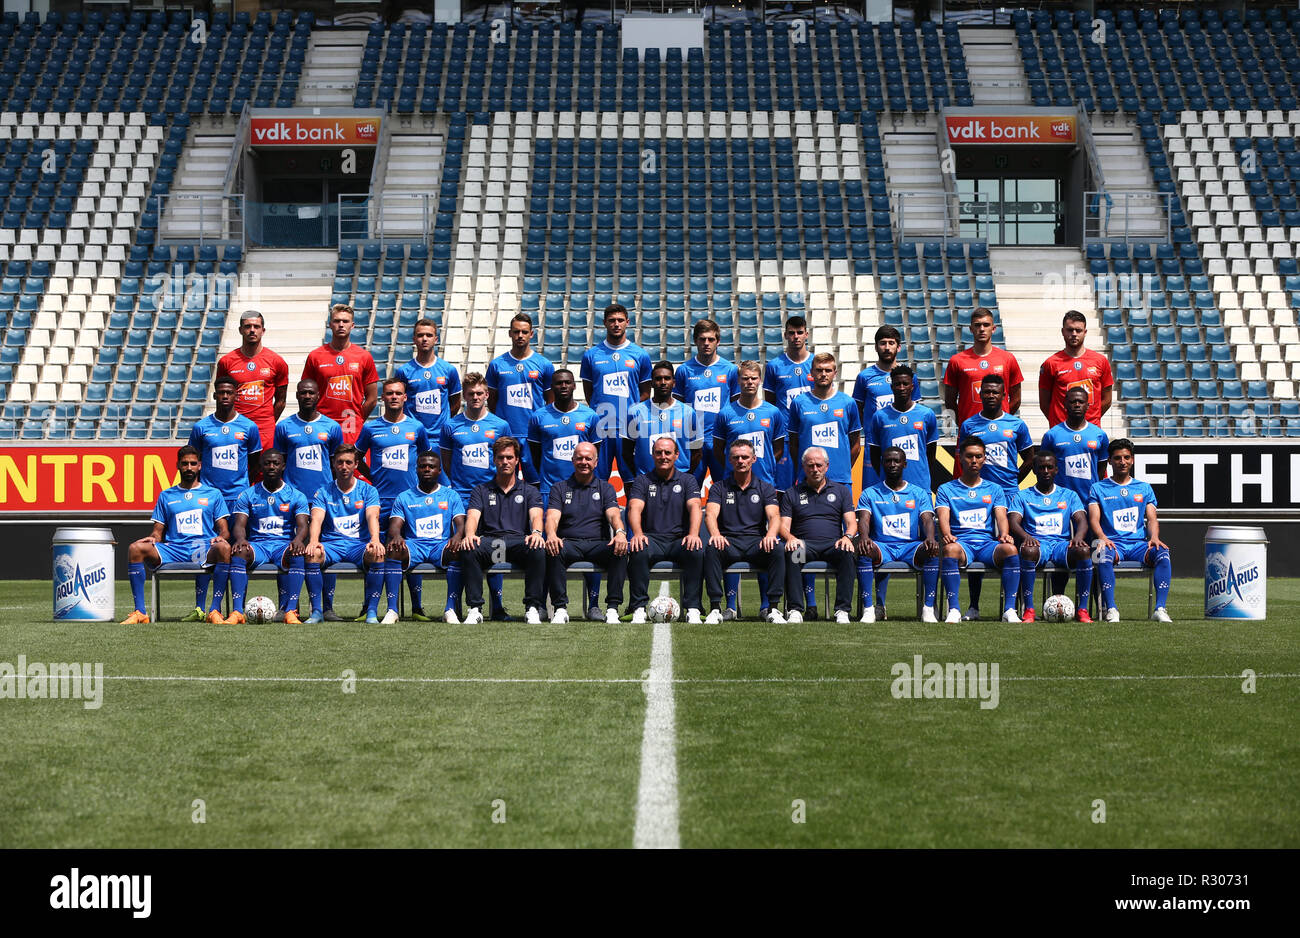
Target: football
[(259, 609), (1058, 609), (664, 609)]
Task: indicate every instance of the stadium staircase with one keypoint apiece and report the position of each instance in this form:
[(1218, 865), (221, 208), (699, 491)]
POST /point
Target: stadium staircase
[(194, 209), (290, 288), (912, 167), (1127, 172), (331, 69), (998, 76)]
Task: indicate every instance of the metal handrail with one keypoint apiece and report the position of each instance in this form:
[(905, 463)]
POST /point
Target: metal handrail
[(376, 207), (1090, 147), (1104, 212), (234, 169)]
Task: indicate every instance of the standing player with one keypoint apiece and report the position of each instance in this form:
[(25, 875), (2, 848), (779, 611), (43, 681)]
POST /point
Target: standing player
[(1074, 367), (785, 378), (661, 416), (280, 516), (615, 375), (1077, 446), (345, 529), (961, 379), (432, 385), (900, 515), (466, 446), (706, 382), (393, 441), (1051, 526), (228, 444), (827, 418), (189, 526), (972, 515), (519, 383), (874, 390), (261, 375), (426, 525), (346, 375), (1122, 514)]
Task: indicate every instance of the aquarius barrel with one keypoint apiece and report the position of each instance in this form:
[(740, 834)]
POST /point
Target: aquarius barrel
[(83, 574), (1236, 580)]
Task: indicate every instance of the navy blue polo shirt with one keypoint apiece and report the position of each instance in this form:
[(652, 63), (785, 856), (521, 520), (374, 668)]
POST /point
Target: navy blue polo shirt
[(743, 512), (665, 512), (817, 516), (582, 507), (505, 514)]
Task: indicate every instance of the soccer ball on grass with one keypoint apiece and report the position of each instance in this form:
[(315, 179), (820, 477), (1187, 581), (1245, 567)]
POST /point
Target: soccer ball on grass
[(1058, 609), (664, 609), (259, 609)]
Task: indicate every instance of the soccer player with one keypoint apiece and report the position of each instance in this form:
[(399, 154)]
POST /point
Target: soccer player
[(817, 523), (661, 416), (1077, 446), (706, 382), (500, 510), (1122, 514), (308, 440), (1074, 367), (874, 390), (663, 512), (346, 375), (426, 525), (961, 379), (743, 518), (900, 514), (466, 446), (972, 515), (615, 375), (432, 385), (392, 441), (345, 529), (785, 378), (584, 522), (261, 375), (280, 517), (1050, 524), (519, 383), (228, 443), (189, 526)]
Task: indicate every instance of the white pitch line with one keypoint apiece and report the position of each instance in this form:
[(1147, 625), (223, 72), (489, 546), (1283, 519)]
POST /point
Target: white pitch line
[(656, 800)]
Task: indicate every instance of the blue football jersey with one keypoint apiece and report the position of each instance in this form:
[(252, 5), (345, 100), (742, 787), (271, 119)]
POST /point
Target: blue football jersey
[(1005, 436), (762, 425), (1078, 456), (469, 447), (521, 387), (787, 380), (1123, 509), (345, 512), (912, 431), (647, 422), (224, 449), (307, 447), (190, 513), (827, 424), (271, 515), (706, 389), (392, 449), (429, 389), (558, 433), (616, 376), (972, 515), (872, 391), (1046, 514), (896, 515), (428, 516)]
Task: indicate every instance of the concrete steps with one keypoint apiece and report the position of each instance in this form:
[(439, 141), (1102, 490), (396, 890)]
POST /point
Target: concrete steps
[(292, 290), (997, 75), (331, 68)]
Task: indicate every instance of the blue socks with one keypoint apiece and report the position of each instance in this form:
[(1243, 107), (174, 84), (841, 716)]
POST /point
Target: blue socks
[(930, 580), (1010, 581), (238, 584), (314, 579), (1028, 573), (810, 593), (220, 576), (496, 585), (1106, 571), (882, 588), (415, 583), (454, 580), (1164, 575), (374, 586), (952, 581), (592, 582), (292, 584), (1082, 584), (201, 589), (733, 587), (866, 580), (135, 572), (393, 582), (328, 581)]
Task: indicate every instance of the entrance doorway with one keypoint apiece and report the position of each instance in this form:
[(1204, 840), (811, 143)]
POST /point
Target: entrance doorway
[(1007, 210)]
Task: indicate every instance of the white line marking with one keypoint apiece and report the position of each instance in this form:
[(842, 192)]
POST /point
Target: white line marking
[(221, 679), (656, 800)]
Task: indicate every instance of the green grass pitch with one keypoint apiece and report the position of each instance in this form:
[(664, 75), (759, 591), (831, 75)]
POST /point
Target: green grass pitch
[(532, 735)]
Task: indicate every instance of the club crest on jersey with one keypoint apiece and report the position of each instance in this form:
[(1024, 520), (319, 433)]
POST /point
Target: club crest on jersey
[(1078, 438), (225, 429), (252, 366), (565, 421), (338, 359), (902, 421), (799, 372), (474, 428), (984, 365), (1078, 366), (823, 408), (993, 427), (428, 501), (708, 372), (519, 367), (749, 416), (895, 498), (188, 496), (427, 375)]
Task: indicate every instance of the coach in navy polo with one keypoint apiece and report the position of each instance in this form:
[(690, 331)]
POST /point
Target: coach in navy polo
[(663, 511), (583, 522), (744, 524), (818, 523), (500, 512)]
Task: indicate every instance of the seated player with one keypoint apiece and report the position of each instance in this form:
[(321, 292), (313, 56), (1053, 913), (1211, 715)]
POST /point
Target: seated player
[(426, 524), (743, 518), (817, 523), (1051, 526), (896, 523), (189, 526), (972, 515), (583, 522), (663, 513), (345, 529), (281, 517), (1122, 515)]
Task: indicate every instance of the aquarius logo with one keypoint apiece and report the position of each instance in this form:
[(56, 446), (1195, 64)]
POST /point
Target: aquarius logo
[(79, 584), (1229, 581)]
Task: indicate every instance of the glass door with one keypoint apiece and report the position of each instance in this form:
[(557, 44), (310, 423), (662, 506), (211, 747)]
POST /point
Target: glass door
[(1007, 210)]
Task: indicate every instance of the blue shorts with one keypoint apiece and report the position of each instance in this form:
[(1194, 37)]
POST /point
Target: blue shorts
[(900, 551), (1054, 550), (784, 474), (194, 550), (344, 552), (980, 551), (274, 551), (425, 551), (1126, 553)]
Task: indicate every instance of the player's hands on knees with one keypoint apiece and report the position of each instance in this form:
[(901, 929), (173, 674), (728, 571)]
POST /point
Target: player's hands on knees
[(1030, 543), (933, 546), (638, 542), (219, 541), (718, 542), (1079, 543), (376, 550), (1006, 539), (395, 544), (769, 542), (554, 544), (864, 545), (845, 543), (470, 542), (1155, 544), (950, 538), (794, 544), (534, 541), (619, 543), (692, 542)]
